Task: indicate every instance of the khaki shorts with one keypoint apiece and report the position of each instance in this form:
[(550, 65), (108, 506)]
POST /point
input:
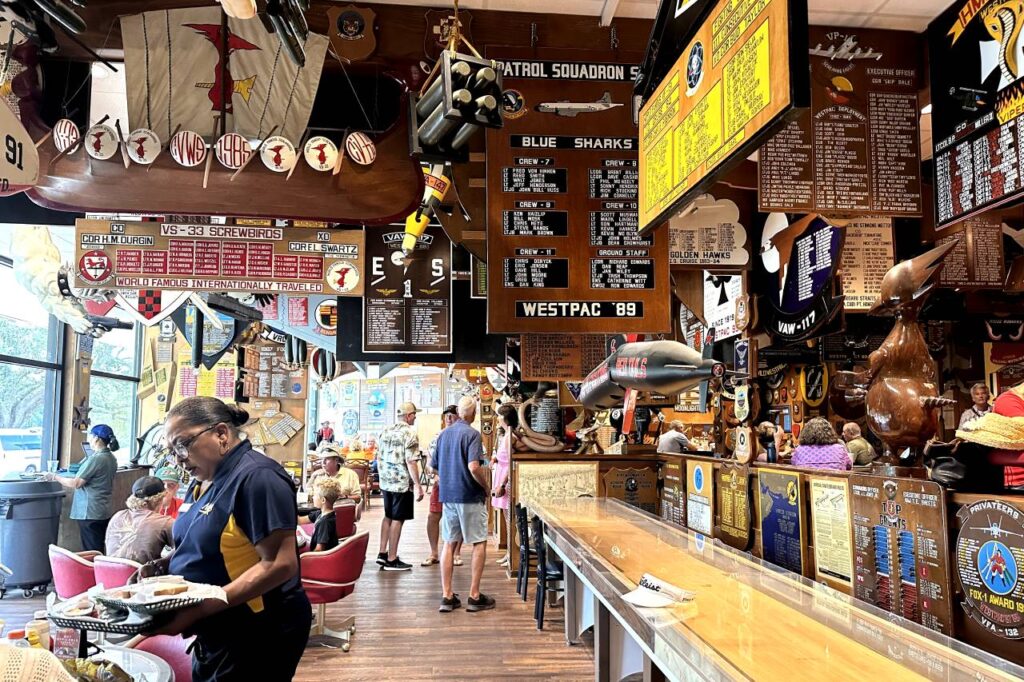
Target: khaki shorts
[(464, 522)]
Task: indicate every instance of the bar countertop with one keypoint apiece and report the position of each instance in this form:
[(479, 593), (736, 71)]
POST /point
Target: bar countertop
[(749, 620)]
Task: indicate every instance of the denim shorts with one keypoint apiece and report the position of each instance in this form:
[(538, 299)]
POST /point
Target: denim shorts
[(464, 522)]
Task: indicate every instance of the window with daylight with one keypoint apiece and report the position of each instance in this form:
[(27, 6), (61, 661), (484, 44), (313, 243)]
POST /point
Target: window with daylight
[(114, 384)]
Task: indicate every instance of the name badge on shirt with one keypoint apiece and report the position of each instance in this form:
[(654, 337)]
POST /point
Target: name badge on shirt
[(185, 506)]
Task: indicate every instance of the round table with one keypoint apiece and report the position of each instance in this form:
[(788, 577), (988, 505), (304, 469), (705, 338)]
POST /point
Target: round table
[(137, 663)]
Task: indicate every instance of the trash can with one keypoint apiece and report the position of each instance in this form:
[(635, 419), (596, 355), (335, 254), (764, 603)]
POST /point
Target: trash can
[(29, 521)]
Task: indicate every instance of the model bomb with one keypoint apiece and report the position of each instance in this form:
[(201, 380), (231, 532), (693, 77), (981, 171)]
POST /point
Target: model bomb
[(462, 98), (437, 181), (665, 367)]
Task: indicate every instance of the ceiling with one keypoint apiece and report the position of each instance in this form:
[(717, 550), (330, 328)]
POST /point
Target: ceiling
[(910, 15)]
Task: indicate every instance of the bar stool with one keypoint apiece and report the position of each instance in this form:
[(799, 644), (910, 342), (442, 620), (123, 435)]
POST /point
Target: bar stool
[(545, 573), (526, 553)]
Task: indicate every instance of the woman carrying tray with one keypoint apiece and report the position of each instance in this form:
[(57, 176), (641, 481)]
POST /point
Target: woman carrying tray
[(235, 529)]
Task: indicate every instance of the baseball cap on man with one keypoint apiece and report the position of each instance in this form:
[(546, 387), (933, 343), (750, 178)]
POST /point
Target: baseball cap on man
[(147, 486), (451, 409), (406, 408)]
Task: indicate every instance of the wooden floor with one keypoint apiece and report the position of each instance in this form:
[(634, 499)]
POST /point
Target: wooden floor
[(401, 636)]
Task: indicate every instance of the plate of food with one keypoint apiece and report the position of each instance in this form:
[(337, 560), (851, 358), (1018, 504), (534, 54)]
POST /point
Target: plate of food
[(157, 595), (86, 613)]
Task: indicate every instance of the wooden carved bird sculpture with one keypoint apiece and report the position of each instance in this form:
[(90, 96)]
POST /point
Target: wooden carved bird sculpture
[(900, 384)]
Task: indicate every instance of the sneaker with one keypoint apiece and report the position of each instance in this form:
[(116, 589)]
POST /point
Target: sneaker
[(382, 558), (481, 603), (449, 605), (396, 565)]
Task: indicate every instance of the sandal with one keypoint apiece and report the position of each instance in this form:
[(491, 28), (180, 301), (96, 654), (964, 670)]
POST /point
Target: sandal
[(458, 561), (429, 561)]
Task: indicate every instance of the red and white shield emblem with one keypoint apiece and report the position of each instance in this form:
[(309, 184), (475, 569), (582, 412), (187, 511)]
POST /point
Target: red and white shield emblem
[(150, 306), (94, 267)]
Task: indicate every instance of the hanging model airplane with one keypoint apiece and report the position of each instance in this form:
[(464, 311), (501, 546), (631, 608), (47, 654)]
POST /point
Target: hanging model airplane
[(566, 108)]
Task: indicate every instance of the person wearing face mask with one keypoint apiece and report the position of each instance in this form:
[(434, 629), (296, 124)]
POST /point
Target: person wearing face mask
[(235, 529), (92, 505)]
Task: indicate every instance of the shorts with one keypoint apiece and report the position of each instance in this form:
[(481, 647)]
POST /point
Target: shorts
[(398, 506), (435, 499), (464, 522)]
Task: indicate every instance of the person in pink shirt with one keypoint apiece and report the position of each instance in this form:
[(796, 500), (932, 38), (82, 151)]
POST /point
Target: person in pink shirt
[(820, 447), (502, 462)]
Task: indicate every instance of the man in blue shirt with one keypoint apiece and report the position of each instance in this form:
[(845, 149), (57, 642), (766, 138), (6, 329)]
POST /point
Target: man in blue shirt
[(462, 479)]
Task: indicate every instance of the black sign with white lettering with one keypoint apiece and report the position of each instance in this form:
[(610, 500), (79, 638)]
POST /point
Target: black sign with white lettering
[(548, 273), (572, 71), (536, 223), (538, 180), (534, 161), (613, 183), (621, 273), (536, 204), (625, 144), (616, 228), (537, 252), (620, 163), (580, 309)]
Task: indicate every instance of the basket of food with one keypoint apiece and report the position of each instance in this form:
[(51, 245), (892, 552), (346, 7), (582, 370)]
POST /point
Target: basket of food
[(85, 613), (154, 596)]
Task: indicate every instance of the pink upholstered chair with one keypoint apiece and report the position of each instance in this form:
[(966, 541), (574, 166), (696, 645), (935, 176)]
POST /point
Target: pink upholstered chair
[(345, 518), (73, 573), (172, 649), (330, 576), (114, 572)]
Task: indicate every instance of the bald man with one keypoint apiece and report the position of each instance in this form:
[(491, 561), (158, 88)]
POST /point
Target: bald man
[(861, 452)]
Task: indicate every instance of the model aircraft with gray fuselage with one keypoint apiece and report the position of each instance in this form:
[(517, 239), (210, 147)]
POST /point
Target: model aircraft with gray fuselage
[(665, 367), (566, 108)]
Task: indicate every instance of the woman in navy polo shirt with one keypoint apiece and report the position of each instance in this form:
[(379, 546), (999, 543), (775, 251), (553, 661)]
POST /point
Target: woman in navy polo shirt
[(236, 528)]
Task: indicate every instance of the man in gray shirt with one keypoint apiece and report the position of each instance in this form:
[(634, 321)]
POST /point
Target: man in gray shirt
[(674, 441)]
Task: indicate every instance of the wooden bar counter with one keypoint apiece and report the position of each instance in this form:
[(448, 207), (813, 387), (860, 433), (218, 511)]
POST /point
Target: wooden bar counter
[(749, 621)]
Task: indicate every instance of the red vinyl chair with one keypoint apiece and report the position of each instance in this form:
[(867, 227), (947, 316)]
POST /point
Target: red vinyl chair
[(345, 518), (114, 572), (330, 576), (73, 573), (172, 649)]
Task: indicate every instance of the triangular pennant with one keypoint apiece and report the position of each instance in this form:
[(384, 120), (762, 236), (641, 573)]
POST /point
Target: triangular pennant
[(150, 306)]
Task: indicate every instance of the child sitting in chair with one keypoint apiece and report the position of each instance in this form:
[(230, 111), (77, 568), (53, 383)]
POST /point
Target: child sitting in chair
[(326, 492)]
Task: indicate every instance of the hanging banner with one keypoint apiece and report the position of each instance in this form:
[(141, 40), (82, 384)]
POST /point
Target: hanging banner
[(408, 303), (733, 84), (191, 257), (720, 295), (858, 148), (376, 405), (976, 90)]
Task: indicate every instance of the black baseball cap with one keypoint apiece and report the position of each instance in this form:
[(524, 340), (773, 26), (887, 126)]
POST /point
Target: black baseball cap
[(451, 409), (147, 486)]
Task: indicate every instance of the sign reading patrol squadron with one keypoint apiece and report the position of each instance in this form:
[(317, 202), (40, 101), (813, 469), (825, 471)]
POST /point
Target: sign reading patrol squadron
[(562, 237), (735, 82), (191, 257)]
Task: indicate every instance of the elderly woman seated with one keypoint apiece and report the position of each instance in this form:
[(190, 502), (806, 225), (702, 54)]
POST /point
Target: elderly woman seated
[(140, 532), (820, 447)]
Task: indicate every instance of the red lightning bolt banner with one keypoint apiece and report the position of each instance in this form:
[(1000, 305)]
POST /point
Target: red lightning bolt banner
[(176, 74)]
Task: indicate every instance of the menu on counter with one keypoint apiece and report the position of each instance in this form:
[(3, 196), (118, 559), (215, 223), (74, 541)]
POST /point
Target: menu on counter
[(673, 492), (858, 148), (976, 103), (900, 548), (699, 500), (635, 487), (781, 519), (261, 258), (560, 357), (734, 83), (734, 513), (831, 532), (867, 256), (407, 307), (976, 262), (563, 241)]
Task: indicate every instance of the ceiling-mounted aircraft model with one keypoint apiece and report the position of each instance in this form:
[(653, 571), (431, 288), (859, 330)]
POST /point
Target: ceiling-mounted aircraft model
[(565, 108)]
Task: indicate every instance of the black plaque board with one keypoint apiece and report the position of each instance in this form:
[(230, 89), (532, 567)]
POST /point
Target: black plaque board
[(534, 180), (622, 273), (782, 520), (521, 223), (546, 273)]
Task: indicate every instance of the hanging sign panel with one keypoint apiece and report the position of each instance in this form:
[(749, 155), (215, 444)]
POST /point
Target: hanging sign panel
[(976, 262), (858, 148), (192, 257), (867, 255), (408, 302), (561, 357), (977, 98), (563, 250), (735, 83)]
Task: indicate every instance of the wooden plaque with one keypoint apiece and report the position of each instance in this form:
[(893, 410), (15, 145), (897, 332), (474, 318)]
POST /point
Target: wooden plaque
[(857, 150), (832, 531), (976, 262), (734, 513), (636, 487), (539, 481), (191, 257), (781, 519), (561, 357), (673, 492), (867, 255), (563, 252), (900, 544)]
